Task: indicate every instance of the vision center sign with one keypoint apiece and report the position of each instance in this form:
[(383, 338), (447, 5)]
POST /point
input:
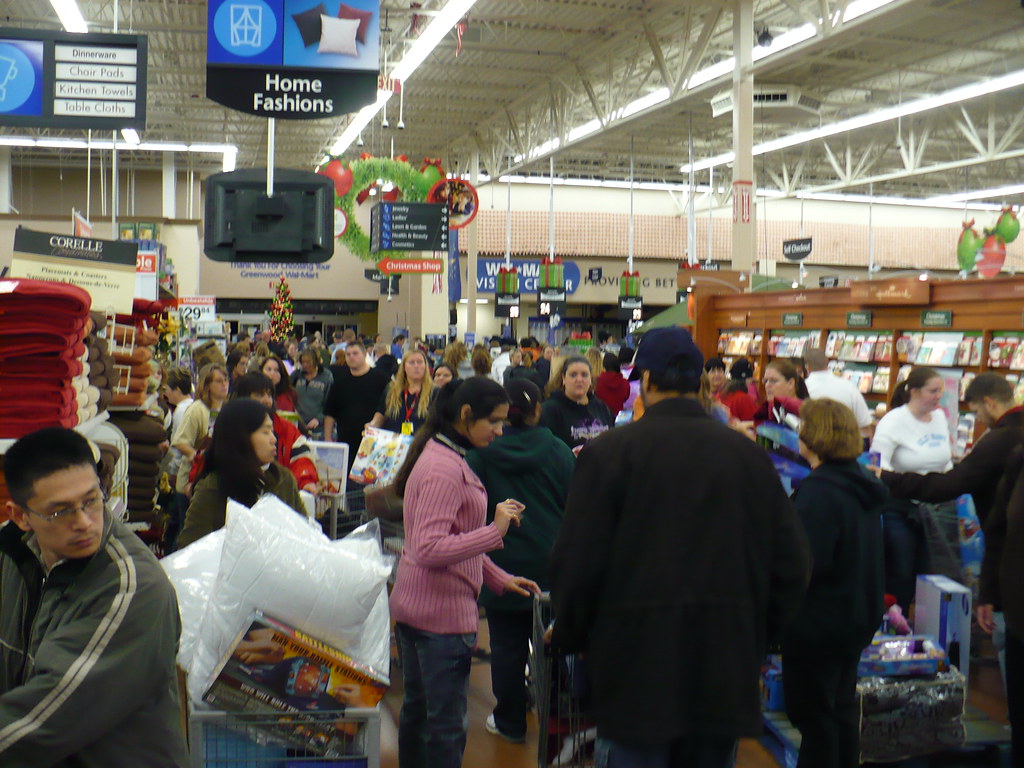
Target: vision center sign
[(296, 59), (529, 275)]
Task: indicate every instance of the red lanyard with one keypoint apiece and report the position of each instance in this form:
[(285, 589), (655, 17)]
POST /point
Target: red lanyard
[(409, 408)]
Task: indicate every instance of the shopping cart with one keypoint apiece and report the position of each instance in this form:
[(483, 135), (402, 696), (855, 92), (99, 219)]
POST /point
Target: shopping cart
[(392, 539), (560, 692), (249, 740), (340, 513)]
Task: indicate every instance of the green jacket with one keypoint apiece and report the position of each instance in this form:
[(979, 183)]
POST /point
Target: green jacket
[(208, 508), (87, 670), (533, 466)]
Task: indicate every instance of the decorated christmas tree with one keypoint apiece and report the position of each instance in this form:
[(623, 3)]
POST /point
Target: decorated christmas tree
[(281, 311)]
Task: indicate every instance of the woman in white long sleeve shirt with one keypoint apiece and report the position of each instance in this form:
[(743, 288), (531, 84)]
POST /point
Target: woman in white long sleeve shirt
[(911, 437)]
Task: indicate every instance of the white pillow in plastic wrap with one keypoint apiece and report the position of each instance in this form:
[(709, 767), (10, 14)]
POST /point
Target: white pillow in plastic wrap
[(276, 561), (193, 571)]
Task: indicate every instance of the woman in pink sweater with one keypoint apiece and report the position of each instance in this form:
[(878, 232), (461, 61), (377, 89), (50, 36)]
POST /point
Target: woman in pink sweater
[(434, 601)]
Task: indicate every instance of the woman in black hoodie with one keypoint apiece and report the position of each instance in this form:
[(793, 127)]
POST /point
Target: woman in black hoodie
[(573, 413), (838, 504)]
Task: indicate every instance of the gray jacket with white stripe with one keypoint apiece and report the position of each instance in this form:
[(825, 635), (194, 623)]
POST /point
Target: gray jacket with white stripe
[(87, 675)]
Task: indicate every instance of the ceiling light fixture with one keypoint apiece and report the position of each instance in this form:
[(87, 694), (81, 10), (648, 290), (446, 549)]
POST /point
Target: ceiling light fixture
[(229, 152), (725, 67), (981, 194), (954, 96), (435, 32), (131, 136), (70, 16)]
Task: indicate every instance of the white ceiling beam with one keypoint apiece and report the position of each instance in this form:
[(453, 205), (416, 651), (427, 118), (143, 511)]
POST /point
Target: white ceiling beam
[(659, 55), (881, 178)]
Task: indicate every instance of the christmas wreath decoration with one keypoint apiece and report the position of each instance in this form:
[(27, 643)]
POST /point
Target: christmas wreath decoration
[(357, 177)]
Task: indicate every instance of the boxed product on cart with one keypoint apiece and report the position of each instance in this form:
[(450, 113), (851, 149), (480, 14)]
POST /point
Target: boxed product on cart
[(901, 655), (942, 609), (771, 688), (273, 667)]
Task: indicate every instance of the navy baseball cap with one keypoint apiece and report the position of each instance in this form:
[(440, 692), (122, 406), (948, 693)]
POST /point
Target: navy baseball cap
[(659, 349)]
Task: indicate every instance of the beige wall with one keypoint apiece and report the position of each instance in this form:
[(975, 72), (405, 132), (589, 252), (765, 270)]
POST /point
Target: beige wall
[(42, 191)]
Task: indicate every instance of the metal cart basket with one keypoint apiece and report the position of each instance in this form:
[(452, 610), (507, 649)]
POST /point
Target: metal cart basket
[(274, 740), (559, 690)]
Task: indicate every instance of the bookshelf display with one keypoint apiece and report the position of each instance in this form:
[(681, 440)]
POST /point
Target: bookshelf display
[(875, 331)]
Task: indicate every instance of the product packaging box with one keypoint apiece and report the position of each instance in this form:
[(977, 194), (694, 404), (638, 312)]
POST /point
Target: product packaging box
[(771, 689), (275, 668), (900, 656), (379, 457), (943, 610)]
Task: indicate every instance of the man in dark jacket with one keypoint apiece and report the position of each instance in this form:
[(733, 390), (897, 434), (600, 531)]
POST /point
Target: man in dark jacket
[(990, 396), (999, 588), (679, 558), (88, 622)]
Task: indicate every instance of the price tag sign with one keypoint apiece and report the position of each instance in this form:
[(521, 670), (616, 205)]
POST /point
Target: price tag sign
[(198, 309), (145, 262)]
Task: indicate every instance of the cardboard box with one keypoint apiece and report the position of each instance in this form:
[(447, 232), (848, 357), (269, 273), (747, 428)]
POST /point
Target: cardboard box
[(942, 609), (771, 689), (273, 668)]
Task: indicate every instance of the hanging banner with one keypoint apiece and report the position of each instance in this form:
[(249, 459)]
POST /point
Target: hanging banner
[(742, 201), (105, 268), (293, 59)]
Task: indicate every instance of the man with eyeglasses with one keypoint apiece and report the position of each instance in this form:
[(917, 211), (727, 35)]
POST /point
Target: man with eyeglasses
[(89, 623)]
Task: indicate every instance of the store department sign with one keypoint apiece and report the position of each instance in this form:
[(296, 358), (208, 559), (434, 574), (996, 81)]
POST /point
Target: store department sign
[(935, 318), (858, 319), (70, 80), (529, 275), (900, 291), (104, 268), (295, 59), (797, 250)]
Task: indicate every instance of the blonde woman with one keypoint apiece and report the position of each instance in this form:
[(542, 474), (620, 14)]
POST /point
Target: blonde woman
[(196, 424), (405, 403)]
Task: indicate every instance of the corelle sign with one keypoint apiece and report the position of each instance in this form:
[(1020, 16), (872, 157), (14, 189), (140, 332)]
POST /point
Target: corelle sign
[(909, 291)]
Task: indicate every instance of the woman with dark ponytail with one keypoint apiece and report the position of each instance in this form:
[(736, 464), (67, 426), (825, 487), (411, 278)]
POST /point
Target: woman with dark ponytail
[(531, 463), (434, 601)]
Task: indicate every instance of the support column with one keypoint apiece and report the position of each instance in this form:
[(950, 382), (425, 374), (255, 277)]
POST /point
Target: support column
[(472, 251), (169, 205), (5, 179), (744, 220)]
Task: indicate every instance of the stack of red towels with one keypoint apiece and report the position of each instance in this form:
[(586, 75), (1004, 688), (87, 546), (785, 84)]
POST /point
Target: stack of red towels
[(42, 326)]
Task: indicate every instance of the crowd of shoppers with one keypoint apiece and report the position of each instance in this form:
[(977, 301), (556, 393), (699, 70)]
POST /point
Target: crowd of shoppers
[(517, 483)]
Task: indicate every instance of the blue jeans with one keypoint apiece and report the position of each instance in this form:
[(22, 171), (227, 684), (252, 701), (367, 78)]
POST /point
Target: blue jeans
[(906, 552), (690, 752), (432, 725)]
